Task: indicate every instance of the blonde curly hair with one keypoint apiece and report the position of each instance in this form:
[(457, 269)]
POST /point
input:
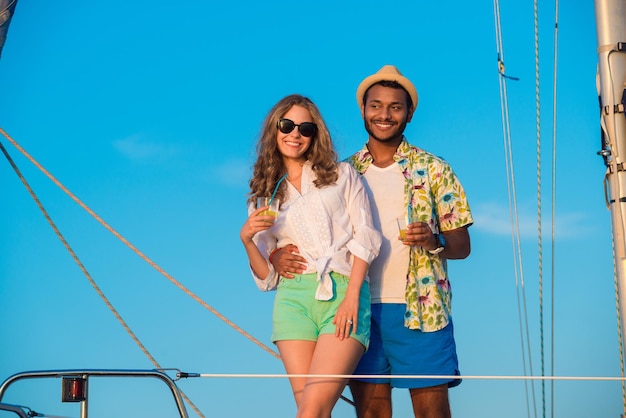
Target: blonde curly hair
[(269, 166)]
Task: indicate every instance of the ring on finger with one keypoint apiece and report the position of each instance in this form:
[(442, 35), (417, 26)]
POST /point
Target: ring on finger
[(349, 321)]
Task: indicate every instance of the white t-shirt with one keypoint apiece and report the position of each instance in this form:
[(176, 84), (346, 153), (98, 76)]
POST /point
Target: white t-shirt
[(388, 271)]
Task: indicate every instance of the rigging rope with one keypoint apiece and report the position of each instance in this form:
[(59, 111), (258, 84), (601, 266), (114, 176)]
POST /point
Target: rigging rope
[(84, 270), (132, 247), (539, 204), (619, 332), (420, 376), (553, 211), (135, 249), (515, 229), (73, 254)]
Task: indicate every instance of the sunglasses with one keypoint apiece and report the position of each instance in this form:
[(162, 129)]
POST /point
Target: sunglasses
[(307, 129)]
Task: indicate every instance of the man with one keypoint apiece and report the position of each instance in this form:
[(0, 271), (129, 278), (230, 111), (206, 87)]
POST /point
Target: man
[(411, 331)]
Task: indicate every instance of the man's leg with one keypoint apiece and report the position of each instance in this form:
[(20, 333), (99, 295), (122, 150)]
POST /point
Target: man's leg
[(431, 402), (371, 400)]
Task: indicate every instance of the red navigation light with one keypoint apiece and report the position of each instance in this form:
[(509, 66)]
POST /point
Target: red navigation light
[(73, 389)]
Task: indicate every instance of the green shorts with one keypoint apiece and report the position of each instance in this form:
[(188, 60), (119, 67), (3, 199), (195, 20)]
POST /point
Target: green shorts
[(299, 316)]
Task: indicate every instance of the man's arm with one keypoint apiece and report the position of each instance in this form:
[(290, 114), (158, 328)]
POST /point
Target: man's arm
[(458, 245)]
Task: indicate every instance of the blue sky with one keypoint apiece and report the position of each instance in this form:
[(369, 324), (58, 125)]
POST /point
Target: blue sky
[(149, 112)]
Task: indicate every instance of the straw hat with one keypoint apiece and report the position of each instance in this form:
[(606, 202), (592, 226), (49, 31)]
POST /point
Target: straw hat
[(387, 73)]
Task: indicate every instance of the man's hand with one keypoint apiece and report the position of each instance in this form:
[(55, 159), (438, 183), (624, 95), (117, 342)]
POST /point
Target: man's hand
[(419, 233), (287, 261), (457, 246)]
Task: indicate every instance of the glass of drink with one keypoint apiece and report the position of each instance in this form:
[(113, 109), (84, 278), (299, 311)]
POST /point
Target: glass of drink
[(402, 224), (273, 206)]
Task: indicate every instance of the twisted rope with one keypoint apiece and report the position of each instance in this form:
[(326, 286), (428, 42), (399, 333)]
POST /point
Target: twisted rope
[(134, 249)]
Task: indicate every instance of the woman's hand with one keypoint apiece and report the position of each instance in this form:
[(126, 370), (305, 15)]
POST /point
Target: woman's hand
[(255, 223), (346, 318)]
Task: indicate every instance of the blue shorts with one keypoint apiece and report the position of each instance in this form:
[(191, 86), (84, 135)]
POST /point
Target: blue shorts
[(395, 349), (299, 316)]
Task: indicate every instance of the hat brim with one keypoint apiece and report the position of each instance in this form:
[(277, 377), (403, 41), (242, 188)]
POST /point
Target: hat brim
[(375, 78)]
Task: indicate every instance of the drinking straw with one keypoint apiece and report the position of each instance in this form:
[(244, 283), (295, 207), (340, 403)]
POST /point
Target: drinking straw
[(276, 188)]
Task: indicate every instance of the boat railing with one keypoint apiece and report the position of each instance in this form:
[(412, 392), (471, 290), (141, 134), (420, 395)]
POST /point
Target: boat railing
[(74, 386)]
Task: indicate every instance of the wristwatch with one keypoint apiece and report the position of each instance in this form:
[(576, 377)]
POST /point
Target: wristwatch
[(441, 241)]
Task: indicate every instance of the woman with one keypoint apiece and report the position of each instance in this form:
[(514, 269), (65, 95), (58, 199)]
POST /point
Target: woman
[(321, 317)]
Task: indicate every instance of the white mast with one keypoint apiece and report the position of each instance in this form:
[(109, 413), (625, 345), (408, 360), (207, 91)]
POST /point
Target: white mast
[(611, 80)]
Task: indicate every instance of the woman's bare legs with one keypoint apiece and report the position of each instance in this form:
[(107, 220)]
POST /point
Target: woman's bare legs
[(316, 396)]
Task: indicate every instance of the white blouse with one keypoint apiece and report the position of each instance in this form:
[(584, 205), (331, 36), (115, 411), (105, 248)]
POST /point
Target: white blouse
[(328, 225)]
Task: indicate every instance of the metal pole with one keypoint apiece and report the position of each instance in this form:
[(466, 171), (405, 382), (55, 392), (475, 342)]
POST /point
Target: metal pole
[(84, 407), (611, 33)]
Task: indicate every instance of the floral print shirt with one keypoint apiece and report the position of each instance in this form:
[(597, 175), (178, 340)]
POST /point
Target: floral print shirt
[(433, 194)]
